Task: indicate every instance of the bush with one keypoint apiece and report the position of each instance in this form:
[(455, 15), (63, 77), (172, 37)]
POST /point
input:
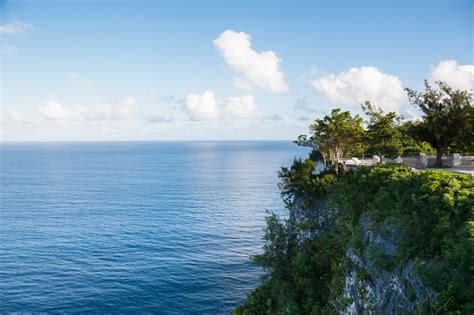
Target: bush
[(433, 209)]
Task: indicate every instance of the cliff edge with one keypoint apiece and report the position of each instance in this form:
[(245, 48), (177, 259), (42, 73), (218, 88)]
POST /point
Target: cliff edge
[(381, 240)]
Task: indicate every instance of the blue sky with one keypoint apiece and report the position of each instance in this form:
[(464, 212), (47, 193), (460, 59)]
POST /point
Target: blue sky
[(168, 70)]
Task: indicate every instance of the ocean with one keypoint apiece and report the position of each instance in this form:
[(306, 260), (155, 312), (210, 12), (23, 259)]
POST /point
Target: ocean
[(135, 227)]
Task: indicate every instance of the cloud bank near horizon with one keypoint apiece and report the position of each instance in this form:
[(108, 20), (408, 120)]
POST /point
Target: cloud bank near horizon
[(349, 88), (255, 71), (55, 112)]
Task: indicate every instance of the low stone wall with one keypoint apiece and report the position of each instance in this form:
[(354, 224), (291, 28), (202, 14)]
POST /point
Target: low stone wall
[(421, 161), (413, 161), (467, 160)]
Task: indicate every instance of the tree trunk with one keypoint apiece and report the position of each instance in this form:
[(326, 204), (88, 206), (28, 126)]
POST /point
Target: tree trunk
[(439, 157), (336, 160)]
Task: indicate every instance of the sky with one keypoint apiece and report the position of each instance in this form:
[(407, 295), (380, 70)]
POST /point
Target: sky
[(218, 70)]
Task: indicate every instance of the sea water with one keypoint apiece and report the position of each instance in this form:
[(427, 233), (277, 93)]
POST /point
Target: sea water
[(143, 227)]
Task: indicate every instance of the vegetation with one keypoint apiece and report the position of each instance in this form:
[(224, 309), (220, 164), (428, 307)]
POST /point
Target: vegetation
[(447, 125), (433, 210), (336, 135), (413, 146), (448, 118), (299, 180), (383, 135)]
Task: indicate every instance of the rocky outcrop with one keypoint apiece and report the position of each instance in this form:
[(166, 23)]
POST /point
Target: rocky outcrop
[(374, 283), (306, 210)]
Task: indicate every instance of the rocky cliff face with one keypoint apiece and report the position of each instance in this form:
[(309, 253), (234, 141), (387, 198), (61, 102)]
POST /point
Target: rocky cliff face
[(306, 209), (374, 283)]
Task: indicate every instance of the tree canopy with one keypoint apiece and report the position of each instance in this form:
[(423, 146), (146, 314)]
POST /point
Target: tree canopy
[(336, 134), (447, 125), (447, 117), (383, 135)]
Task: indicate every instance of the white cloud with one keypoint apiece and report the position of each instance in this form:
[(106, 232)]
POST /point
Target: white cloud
[(243, 85), (53, 111), (127, 110), (457, 76), (14, 28), (358, 85), (16, 117), (58, 112), (260, 68), (202, 107), (243, 106)]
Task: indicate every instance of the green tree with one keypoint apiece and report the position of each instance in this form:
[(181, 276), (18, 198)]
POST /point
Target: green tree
[(447, 117), (410, 145), (465, 143), (335, 135), (383, 135)]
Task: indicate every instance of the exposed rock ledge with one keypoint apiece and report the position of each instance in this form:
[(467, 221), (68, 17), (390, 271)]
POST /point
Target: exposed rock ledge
[(369, 289)]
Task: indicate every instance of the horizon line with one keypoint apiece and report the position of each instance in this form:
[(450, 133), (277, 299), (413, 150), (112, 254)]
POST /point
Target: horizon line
[(90, 141)]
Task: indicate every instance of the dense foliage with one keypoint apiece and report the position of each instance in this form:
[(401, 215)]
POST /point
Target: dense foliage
[(431, 212), (446, 126), (299, 180), (447, 117), (412, 146), (383, 135), (336, 134), (433, 209)]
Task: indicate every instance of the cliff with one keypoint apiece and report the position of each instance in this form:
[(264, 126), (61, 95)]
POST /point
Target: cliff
[(371, 285), (381, 240)]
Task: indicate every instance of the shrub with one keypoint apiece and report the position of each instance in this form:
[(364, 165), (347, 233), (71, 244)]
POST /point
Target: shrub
[(432, 209)]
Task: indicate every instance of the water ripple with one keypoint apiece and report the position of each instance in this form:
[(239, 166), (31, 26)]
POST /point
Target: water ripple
[(134, 227)]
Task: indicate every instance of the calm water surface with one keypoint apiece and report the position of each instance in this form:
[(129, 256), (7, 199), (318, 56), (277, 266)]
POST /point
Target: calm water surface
[(162, 227)]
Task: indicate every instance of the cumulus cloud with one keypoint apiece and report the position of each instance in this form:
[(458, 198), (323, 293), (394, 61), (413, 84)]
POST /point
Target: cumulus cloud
[(202, 107), (128, 108), (358, 85), (53, 111), (16, 117), (243, 106), (58, 112), (243, 85), (14, 28), (260, 68), (457, 76)]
